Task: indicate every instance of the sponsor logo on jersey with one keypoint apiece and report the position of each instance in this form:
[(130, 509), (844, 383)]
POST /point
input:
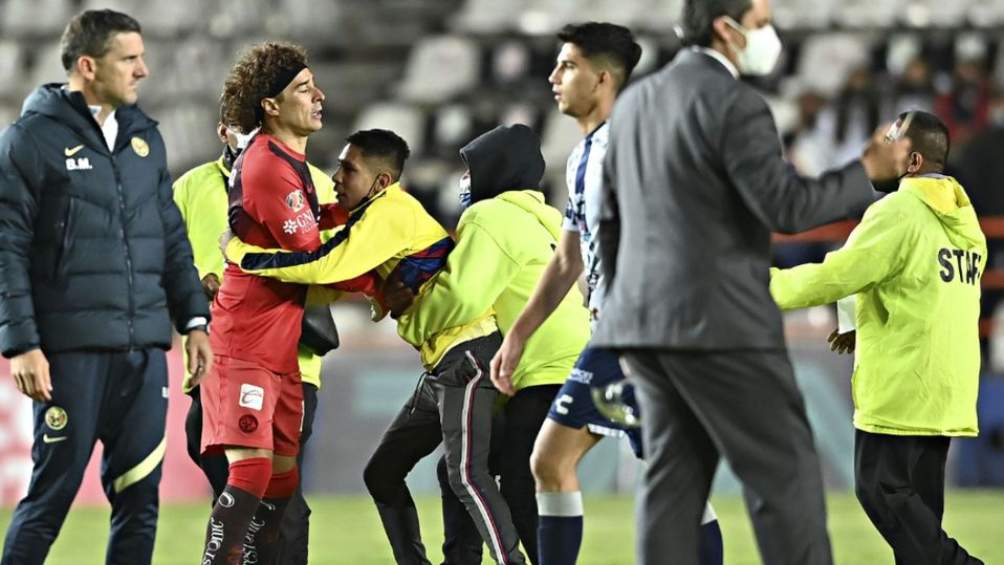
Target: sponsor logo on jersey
[(303, 221)]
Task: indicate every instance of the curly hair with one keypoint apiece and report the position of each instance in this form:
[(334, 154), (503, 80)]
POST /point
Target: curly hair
[(251, 78)]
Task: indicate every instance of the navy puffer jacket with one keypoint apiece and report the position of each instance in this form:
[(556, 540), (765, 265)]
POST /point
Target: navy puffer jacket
[(93, 251)]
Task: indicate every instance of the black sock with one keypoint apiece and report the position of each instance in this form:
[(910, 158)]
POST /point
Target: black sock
[(227, 526), (261, 544)]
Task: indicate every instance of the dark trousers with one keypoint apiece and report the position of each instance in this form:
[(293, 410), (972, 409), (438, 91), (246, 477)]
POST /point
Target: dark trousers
[(119, 398), (743, 406), (413, 434), (515, 431), (900, 482), (453, 404), (295, 526)]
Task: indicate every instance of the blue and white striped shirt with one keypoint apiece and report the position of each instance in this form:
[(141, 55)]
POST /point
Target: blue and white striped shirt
[(583, 176)]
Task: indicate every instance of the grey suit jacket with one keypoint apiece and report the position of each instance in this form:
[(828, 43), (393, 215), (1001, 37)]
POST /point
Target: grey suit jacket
[(694, 184)]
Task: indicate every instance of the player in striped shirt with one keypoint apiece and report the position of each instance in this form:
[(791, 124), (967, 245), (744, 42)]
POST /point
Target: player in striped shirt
[(595, 62)]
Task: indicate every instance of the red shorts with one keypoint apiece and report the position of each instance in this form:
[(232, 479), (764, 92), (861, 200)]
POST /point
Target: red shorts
[(246, 405)]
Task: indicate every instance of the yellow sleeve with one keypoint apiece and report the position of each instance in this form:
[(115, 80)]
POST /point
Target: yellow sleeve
[(179, 191), (478, 270), (202, 227), (873, 253), (381, 232)]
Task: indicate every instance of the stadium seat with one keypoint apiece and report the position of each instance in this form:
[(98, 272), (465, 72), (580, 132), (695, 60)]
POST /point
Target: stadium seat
[(404, 119), (34, 17), (47, 67), (8, 113), (827, 60), (194, 67), (868, 13), (519, 113), (649, 56), (487, 16), (134, 8), (439, 68), (188, 131), (544, 17), (238, 17), (629, 14), (901, 49), (986, 14), (310, 17), (452, 127), (812, 14), (10, 68), (560, 134), (173, 17), (660, 16), (936, 13), (510, 62)]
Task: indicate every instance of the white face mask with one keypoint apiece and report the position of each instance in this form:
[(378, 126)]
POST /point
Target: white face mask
[(243, 139), (465, 192), (763, 49)]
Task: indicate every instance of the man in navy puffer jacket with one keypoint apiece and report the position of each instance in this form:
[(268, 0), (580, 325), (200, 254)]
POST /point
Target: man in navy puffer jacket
[(94, 268)]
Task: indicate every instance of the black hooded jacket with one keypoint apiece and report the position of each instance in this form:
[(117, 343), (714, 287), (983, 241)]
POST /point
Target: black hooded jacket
[(93, 251), (505, 158)]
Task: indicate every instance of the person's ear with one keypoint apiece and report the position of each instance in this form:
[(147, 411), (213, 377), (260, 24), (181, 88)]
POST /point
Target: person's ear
[(604, 77), (916, 163), (725, 29), (384, 180), (270, 106), (221, 132), (87, 66)]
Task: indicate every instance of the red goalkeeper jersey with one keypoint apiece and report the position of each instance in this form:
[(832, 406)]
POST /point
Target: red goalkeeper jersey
[(272, 204)]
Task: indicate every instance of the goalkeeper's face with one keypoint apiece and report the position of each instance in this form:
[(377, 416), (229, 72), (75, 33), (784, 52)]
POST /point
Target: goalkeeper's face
[(575, 82)]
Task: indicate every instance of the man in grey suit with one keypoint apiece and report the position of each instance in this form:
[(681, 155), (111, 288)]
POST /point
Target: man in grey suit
[(694, 184)]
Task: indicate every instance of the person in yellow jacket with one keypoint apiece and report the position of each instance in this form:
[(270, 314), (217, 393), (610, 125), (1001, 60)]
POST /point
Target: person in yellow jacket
[(915, 263), (505, 240), (201, 197), (387, 231)]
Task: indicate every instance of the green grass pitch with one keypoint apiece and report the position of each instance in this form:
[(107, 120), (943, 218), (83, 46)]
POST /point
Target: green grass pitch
[(345, 530)]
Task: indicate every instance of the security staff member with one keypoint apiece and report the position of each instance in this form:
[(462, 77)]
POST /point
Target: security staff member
[(94, 267), (915, 263)]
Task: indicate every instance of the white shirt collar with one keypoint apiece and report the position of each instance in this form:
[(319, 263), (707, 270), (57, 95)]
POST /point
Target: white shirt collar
[(720, 58), (110, 128)]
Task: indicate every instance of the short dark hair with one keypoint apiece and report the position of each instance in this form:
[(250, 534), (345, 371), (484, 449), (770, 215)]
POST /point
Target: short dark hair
[(605, 43), (382, 144), (699, 17), (90, 32), (928, 136), (251, 79)]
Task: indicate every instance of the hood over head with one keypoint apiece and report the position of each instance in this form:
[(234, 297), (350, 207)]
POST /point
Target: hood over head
[(505, 158)]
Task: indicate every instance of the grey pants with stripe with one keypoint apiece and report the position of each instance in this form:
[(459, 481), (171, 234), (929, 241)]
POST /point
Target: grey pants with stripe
[(466, 399)]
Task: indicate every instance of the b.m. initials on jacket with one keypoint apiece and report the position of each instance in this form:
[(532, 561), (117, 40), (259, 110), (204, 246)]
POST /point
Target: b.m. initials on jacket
[(958, 264)]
